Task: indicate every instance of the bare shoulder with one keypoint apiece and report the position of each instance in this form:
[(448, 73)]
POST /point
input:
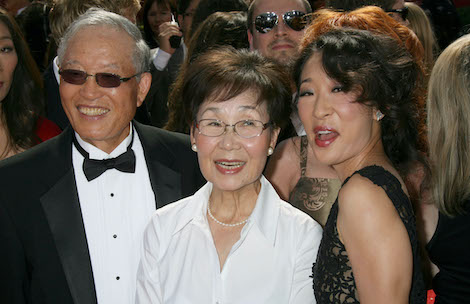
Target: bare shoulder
[(283, 168), (360, 198)]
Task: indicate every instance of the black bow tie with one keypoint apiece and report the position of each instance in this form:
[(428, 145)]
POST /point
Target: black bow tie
[(94, 167)]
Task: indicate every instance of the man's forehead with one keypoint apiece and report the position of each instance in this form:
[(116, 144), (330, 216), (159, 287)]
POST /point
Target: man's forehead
[(279, 6)]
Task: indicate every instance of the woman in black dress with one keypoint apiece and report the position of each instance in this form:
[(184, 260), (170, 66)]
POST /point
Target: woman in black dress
[(446, 222), (356, 99)]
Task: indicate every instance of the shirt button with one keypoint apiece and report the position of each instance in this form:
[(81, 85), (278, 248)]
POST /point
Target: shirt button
[(117, 278), (112, 194), (115, 236)]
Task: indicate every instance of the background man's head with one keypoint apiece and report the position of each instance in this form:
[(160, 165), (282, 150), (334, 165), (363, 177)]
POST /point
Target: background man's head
[(282, 40), (186, 11), (104, 80), (64, 12)]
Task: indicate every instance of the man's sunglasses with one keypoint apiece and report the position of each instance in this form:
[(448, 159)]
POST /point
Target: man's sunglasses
[(105, 80), (402, 11), (296, 20)]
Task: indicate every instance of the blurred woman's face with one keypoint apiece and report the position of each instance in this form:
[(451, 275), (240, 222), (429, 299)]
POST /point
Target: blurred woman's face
[(230, 161), (158, 15), (8, 60)]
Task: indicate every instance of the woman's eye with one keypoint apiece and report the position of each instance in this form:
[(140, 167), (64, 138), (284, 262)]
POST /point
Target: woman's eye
[(337, 89), (6, 49), (305, 93), (247, 123), (214, 124)]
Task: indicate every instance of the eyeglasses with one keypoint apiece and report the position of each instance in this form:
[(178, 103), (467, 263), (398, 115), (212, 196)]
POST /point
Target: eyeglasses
[(105, 80), (296, 20), (244, 128), (402, 11)]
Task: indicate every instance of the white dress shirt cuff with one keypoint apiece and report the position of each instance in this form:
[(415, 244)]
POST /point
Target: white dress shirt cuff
[(161, 59)]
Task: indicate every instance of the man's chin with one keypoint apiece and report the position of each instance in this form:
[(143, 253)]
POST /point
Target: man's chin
[(285, 59)]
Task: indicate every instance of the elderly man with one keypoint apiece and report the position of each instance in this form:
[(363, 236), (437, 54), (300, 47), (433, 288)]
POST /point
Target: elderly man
[(63, 13), (73, 210), (275, 29)]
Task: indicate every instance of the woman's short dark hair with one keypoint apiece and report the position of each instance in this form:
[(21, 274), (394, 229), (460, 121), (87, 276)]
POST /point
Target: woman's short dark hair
[(384, 76), (208, 7), (224, 73), (24, 102), (219, 29)]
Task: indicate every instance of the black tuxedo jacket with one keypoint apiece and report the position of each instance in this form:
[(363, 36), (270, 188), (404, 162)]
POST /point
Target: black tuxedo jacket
[(156, 100), (44, 255)]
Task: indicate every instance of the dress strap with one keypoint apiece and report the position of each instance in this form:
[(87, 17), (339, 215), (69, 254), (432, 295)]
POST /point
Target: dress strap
[(303, 155)]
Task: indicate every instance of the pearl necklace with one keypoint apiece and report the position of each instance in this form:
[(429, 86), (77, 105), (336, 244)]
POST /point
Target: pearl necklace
[(221, 223)]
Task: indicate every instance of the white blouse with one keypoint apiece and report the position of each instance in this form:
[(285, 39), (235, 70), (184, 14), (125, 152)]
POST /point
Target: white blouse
[(271, 263)]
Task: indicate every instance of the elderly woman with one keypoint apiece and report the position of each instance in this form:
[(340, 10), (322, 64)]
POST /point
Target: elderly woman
[(356, 103), (235, 240)]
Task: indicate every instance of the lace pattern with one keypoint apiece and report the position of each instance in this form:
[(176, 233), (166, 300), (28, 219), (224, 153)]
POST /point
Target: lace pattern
[(333, 278)]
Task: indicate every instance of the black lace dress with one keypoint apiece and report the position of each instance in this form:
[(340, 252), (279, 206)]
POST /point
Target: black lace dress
[(333, 279)]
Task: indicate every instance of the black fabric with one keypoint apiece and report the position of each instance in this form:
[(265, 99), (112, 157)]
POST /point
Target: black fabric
[(333, 277), (43, 247), (92, 168), (449, 250)]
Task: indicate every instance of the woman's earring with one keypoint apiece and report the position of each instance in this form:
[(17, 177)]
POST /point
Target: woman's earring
[(270, 151), (194, 147), (379, 115)]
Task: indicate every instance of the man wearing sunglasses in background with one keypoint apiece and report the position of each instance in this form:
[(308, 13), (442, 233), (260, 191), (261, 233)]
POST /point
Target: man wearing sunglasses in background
[(73, 209), (275, 29)]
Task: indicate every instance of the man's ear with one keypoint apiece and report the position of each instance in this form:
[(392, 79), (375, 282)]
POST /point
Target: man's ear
[(144, 87)]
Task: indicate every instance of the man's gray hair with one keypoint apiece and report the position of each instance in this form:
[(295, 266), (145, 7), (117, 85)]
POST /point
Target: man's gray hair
[(99, 17)]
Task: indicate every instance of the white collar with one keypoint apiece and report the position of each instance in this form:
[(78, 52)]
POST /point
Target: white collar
[(55, 67), (265, 214), (96, 153)]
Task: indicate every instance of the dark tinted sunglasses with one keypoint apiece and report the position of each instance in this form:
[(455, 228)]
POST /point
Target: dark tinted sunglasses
[(296, 20), (402, 11), (105, 80)]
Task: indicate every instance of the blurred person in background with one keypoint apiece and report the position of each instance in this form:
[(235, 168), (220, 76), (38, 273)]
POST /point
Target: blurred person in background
[(275, 29), (155, 13), (21, 103), (445, 223), (419, 23)]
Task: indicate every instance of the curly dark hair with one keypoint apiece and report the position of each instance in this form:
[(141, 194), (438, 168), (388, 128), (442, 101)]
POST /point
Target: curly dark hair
[(208, 7), (384, 76), (224, 73), (24, 102)]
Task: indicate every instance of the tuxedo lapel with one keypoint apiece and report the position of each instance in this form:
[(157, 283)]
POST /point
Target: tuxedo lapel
[(62, 209), (165, 181)]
